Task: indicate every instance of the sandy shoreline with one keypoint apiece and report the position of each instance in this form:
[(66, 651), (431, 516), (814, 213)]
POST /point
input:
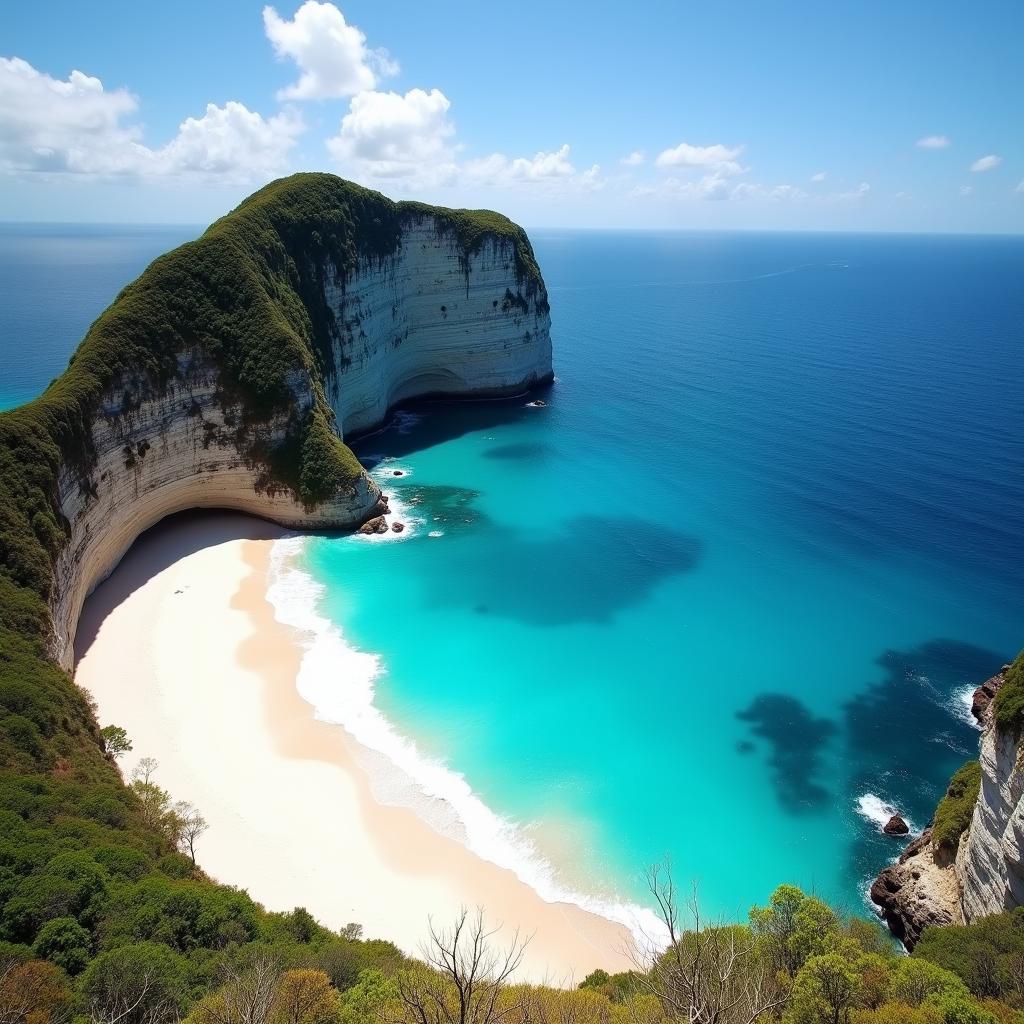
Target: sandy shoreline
[(180, 646)]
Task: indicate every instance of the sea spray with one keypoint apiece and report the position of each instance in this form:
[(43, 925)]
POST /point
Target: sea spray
[(339, 682)]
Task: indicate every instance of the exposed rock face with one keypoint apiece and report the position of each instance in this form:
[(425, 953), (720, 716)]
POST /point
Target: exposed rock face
[(990, 859), (916, 893), (427, 322), (896, 826), (433, 315), (166, 455), (985, 694)]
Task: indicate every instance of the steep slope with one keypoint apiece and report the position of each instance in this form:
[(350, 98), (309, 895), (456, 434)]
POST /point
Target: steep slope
[(970, 863), (228, 373)]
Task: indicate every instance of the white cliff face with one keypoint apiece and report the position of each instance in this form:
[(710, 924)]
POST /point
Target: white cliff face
[(422, 321), (163, 456), (427, 322), (990, 859)]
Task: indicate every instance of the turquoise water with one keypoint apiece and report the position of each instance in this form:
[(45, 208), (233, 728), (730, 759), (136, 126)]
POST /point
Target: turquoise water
[(734, 577)]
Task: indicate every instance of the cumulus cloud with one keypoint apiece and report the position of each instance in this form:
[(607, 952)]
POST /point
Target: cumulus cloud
[(75, 126), (635, 159), (819, 177), (934, 142), (388, 135), (749, 190), (331, 55), (547, 169), (986, 163), (719, 158), (716, 185)]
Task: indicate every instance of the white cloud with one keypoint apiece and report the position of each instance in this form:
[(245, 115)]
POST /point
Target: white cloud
[(819, 177), (635, 159), (986, 163), (388, 135), (551, 170), (231, 142), (966, 190), (748, 190), (51, 125), (719, 158), (934, 142), (331, 55), (76, 127)]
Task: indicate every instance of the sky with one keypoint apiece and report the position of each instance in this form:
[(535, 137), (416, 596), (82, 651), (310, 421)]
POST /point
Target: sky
[(844, 115)]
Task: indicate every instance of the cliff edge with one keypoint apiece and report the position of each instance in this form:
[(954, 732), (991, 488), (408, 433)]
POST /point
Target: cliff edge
[(970, 862), (230, 372)]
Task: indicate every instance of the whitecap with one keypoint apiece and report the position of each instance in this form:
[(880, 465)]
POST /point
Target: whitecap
[(878, 811)]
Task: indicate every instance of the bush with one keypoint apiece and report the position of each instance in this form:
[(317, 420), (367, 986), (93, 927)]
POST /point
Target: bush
[(953, 815), (65, 942)]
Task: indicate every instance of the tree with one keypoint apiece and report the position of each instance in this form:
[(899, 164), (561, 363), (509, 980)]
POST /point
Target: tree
[(352, 931), (708, 974), (826, 989), (65, 942), (140, 984), (305, 997), (33, 992), (190, 825), (371, 998), (247, 995), (914, 980), (793, 927), (145, 769), (463, 975), (115, 740)]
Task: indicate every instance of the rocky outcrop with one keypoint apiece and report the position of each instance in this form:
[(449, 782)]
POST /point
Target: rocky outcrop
[(917, 892), (985, 873), (896, 826), (983, 696), (229, 374)]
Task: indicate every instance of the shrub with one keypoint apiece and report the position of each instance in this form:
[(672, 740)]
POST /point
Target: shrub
[(953, 815)]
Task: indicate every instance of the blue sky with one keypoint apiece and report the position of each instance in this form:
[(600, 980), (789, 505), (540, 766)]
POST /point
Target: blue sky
[(843, 115)]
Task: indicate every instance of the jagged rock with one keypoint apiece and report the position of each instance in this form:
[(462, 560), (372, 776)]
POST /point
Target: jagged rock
[(398, 472), (896, 826), (397, 527), (376, 525), (985, 694), (917, 893)]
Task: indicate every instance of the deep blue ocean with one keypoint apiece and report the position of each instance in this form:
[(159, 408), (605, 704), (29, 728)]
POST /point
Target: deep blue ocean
[(723, 596)]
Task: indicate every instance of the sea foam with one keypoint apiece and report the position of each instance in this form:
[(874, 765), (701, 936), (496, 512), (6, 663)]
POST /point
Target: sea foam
[(878, 811), (339, 682)]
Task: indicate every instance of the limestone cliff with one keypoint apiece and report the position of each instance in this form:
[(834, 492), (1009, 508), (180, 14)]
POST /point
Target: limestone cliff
[(982, 871), (230, 372)]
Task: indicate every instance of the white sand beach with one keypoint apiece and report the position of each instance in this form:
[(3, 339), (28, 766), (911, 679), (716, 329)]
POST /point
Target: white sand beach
[(180, 647)]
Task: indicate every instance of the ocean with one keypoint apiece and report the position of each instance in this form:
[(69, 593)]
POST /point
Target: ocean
[(722, 598)]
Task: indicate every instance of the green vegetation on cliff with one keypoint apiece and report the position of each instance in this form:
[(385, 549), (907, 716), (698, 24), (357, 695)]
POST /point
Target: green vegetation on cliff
[(953, 815), (1008, 706)]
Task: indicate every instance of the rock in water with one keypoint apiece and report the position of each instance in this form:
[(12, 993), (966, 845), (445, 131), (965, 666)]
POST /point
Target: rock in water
[(896, 826), (376, 525), (397, 527)]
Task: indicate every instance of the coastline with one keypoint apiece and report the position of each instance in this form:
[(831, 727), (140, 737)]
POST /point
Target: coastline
[(181, 646)]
